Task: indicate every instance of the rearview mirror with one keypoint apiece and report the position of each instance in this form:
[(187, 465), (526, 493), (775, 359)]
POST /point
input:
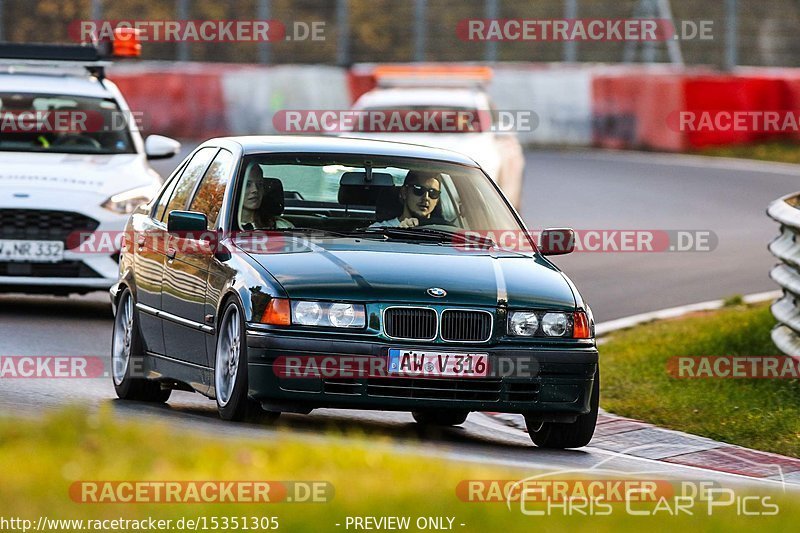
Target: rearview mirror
[(557, 241), (160, 147), (186, 222)]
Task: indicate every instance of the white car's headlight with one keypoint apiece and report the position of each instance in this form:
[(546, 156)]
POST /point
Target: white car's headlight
[(523, 323), (125, 202), (337, 315), (555, 324)]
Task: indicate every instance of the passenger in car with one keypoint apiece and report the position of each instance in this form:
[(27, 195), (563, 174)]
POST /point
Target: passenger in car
[(262, 203), (419, 196)]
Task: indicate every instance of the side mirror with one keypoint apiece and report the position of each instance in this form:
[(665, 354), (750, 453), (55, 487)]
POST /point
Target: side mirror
[(160, 147), (187, 222), (557, 241)]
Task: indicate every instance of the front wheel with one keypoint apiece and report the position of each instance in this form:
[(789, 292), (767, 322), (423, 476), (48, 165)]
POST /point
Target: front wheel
[(127, 352), (573, 435), (230, 370), (440, 418)]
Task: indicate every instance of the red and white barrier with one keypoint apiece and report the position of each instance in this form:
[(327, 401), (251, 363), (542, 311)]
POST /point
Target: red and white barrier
[(560, 96), (617, 106)]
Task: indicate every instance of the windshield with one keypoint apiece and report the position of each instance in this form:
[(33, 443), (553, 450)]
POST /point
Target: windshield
[(348, 194), (63, 124)]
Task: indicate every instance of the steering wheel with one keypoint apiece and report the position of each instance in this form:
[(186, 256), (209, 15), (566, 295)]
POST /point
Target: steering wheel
[(439, 223), (76, 139)]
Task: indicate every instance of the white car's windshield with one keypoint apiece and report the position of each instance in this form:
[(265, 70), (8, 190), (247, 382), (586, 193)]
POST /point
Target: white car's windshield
[(62, 124)]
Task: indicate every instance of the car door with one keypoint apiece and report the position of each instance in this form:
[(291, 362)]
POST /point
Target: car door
[(154, 254), (148, 259), (187, 266)]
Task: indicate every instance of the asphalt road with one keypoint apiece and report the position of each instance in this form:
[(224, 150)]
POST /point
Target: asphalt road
[(610, 191), (584, 190)]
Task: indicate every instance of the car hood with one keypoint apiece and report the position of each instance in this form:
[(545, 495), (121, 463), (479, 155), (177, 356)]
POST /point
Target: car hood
[(100, 175), (378, 271)]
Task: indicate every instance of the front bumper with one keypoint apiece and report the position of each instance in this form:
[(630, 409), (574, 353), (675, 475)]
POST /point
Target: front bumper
[(81, 270), (549, 382), (95, 272)]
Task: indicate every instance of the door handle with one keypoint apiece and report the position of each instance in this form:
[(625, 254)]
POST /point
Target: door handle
[(171, 253)]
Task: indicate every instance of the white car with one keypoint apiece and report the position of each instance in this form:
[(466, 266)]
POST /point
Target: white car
[(61, 180), (498, 153)]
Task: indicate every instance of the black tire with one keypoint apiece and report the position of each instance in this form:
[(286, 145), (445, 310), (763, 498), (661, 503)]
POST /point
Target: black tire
[(126, 347), (440, 418), (233, 402), (573, 435)]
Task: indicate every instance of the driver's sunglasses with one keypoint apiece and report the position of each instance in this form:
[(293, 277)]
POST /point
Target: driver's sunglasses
[(419, 190)]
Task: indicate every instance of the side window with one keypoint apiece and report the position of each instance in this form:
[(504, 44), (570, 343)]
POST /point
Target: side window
[(166, 192), (208, 199), (185, 185)]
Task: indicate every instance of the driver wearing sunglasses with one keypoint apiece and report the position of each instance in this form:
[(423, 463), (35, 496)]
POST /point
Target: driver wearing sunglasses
[(419, 194)]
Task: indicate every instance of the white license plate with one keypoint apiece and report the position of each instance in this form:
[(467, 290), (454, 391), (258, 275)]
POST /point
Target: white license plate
[(31, 251), (438, 364)]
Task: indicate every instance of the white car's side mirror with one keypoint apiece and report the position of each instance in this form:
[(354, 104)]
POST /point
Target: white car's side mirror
[(160, 147)]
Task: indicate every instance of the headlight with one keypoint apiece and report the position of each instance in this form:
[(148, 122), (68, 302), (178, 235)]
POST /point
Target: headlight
[(307, 313), (573, 325), (125, 202), (555, 324), (523, 323), (342, 315), (337, 315)]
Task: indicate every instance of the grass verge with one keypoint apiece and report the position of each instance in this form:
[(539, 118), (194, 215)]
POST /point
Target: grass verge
[(777, 151), (40, 459), (757, 413)]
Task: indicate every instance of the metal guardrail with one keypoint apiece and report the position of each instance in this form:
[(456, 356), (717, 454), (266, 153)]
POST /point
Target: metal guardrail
[(785, 247)]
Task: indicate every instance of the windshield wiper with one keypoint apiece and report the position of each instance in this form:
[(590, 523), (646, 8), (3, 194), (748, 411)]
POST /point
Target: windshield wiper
[(399, 233), (312, 230), (322, 232), (391, 232), (428, 234)]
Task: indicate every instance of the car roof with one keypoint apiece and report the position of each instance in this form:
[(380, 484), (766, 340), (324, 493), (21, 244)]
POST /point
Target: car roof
[(446, 97), (53, 83), (321, 144)]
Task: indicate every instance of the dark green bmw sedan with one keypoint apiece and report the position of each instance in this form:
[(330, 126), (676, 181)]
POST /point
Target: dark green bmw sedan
[(284, 274)]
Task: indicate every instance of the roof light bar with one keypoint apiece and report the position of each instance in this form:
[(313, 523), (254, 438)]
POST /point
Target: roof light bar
[(77, 53), (432, 75), (94, 57)]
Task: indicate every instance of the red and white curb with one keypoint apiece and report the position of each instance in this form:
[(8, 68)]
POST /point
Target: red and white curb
[(642, 440)]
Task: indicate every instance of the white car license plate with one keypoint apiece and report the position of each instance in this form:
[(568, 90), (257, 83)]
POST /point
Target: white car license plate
[(31, 251), (438, 364)]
